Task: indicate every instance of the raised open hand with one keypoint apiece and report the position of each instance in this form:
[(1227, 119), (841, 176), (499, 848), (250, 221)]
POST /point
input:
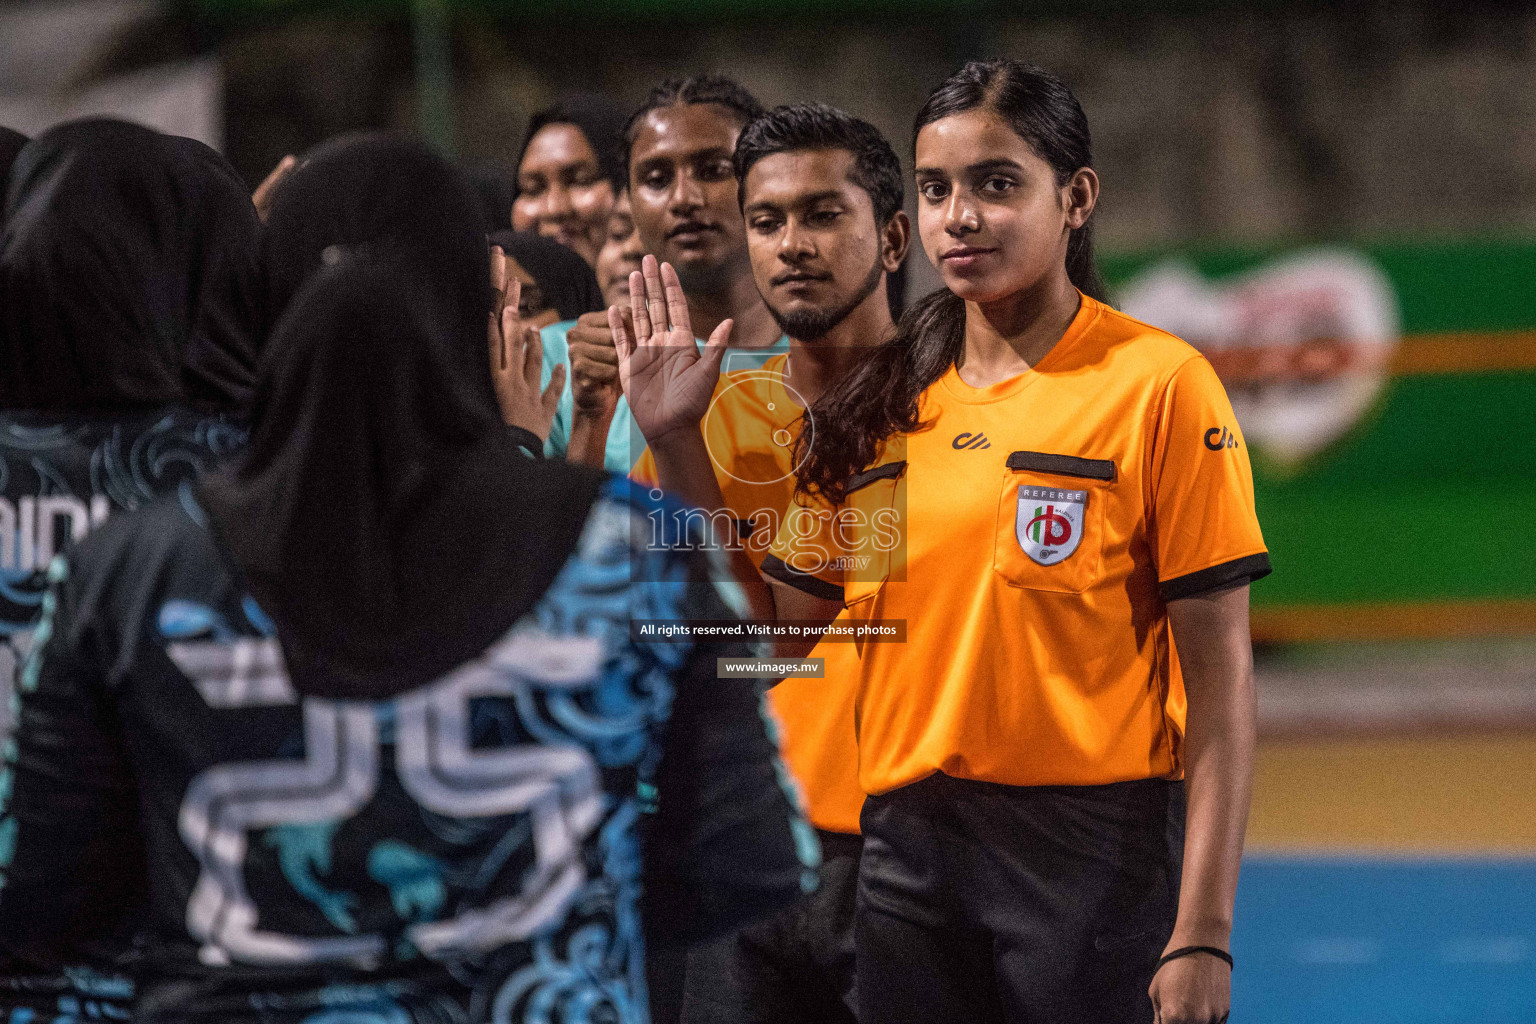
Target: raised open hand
[(517, 358), (669, 382)]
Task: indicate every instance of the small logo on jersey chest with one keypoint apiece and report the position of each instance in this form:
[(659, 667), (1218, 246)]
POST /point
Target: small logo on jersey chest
[(1049, 522), (970, 442)]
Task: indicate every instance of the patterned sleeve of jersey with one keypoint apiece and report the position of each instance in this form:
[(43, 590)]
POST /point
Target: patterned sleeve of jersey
[(71, 856), (1205, 528), (728, 842)]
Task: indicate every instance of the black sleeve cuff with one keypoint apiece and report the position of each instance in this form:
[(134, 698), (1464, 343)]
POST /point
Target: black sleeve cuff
[(1217, 577), (803, 581), (531, 444)]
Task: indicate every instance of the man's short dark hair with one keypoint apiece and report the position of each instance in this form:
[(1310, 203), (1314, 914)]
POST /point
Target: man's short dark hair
[(802, 126), (717, 89)]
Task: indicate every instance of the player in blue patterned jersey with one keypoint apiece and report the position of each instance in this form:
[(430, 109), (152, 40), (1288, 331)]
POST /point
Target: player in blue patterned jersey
[(365, 735)]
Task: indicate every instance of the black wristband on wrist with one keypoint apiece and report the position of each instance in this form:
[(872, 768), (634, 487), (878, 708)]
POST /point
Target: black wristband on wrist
[(1219, 954)]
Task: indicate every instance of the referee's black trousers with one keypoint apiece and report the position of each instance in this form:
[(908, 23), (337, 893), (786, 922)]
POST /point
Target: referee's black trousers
[(980, 902)]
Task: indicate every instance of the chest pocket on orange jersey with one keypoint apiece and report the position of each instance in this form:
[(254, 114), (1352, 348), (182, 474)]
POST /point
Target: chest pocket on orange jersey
[(872, 531), (1050, 521)]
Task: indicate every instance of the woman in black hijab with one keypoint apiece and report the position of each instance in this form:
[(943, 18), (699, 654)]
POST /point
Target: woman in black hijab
[(127, 280), (379, 700), (379, 467), (379, 196), (127, 270), (383, 197), (570, 171)]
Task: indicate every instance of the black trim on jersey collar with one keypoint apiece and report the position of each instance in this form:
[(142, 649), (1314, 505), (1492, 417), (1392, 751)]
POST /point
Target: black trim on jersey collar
[(869, 476), (1063, 465), (1217, 577), (802, 581)]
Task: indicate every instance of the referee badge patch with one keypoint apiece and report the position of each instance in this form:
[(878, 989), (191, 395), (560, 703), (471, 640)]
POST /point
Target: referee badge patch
[(1049, 522)]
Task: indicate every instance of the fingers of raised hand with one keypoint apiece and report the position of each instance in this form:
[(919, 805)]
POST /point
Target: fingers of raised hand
[(512, 297), (278, 172), (262, 197), (677, 302), (623, 343), (720, 337), (499, 275), (655, 296), (512, 340), (637, 309), (533, 356), (551, 396), (714, 349), (498, 305)]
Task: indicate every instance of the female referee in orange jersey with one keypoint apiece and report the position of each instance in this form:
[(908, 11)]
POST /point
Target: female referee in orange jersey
[(1057, 500)]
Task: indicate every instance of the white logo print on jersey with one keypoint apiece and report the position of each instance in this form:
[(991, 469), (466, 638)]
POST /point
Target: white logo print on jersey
[(558, 786)]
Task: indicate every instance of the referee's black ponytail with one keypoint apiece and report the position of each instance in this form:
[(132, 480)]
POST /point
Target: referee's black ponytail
[(879, 398)]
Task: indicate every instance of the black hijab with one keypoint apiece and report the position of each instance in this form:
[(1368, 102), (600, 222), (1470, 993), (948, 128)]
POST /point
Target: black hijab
[(568, 283), (383, 517), (127, 271), (381, 197), (10, 144), (599, 119), (497, 192)]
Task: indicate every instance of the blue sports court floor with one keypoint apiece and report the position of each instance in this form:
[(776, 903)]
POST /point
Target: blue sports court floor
[(1320, 940), (1390, 882)]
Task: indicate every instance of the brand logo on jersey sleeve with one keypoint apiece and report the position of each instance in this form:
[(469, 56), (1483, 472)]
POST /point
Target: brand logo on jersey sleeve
[(1049, 522), (1218, 438)]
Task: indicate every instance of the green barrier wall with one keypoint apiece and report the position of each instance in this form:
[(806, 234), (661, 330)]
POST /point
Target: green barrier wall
[(1431, 496)]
